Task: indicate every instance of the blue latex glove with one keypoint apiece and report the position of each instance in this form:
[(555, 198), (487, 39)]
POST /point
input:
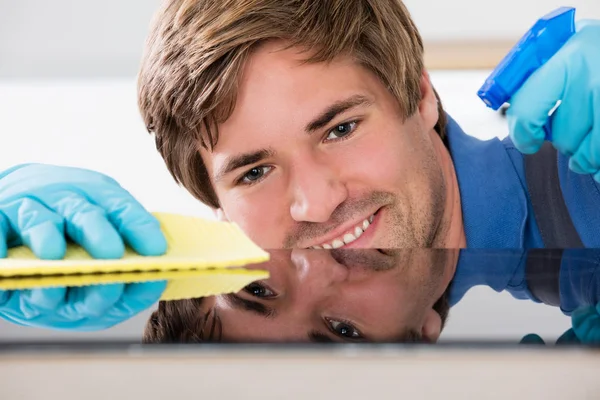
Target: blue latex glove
[(586, 324), (585, 329), (567, 338), (88, 308), (572, 76), (43, 205)]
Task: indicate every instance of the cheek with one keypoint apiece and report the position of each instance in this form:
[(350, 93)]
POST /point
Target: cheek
[(385, 160), (381, 303), (262, 218)]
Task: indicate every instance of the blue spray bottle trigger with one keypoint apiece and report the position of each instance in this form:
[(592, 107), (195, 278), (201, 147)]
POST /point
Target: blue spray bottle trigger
[(532, 51)]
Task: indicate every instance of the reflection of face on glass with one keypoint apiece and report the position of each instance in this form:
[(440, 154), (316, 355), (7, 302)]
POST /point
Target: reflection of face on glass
[(319, 295)]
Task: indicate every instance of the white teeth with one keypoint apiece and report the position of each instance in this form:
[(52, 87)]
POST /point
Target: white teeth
[(348, 237), (337, 243), (358, 232)]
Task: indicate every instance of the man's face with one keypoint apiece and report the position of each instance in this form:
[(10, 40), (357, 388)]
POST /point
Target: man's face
[(319, 155), (339, 295)]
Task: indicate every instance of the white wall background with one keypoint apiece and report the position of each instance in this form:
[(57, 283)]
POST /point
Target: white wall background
[(67, 96), (82, 38), (487, 19)]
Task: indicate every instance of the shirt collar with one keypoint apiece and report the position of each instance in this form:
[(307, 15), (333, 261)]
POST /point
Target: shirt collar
[(494, 205)]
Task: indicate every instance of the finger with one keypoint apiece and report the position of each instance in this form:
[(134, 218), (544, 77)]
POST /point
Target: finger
[(3, 236), (595, 132), (580, 162), (140, 229), (36, 302), (113, 303), (4, 297), (573, 119), (586, 159), (586, 324), (39, 228), (532, 338), (87, 224), (529, 107), (569, 337), (144, 293), (91, 301), (586, 24), (137, 298)]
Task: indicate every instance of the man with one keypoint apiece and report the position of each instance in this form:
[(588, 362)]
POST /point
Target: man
[(326, 107), (372, 295), (343, 295), (329, 134), (352, 295)]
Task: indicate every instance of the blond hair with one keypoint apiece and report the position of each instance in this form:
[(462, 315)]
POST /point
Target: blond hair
[(196, 51)]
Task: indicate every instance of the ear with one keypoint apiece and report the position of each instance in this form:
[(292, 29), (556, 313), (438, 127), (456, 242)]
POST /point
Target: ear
[(432, 326), (220, 215), (428, 106)]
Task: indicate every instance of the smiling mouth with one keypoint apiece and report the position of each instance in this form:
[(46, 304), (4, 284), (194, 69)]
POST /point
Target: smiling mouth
[(350, 236), (366, 259)]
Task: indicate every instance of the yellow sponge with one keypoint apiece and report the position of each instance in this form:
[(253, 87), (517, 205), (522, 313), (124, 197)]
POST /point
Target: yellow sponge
[(203, 258)]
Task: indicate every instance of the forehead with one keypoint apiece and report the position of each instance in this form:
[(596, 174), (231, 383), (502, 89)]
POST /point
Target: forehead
[(273, 63), (278, 90)]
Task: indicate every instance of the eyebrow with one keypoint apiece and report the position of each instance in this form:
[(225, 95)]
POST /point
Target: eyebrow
[(318, 337), (239, 303), (336, 108), (242, 160)]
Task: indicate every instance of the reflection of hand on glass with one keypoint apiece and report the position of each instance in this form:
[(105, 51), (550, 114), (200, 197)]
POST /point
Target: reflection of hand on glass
[(585, 330), (322, 296), (87, 308), (586, 324), (567, 338)]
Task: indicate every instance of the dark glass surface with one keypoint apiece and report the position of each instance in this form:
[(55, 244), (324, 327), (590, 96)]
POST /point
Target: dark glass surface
[(360, 297)]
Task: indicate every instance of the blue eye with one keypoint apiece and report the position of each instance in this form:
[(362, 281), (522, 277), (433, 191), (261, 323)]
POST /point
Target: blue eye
[(344, 329), (255, 175), (341, 130), (257, 290)]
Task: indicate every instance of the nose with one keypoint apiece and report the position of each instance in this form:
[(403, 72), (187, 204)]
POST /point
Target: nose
[(319, 278), (317, 191)]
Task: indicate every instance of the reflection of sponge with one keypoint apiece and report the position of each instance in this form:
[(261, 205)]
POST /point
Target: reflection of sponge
[(203, 258), (181, 284)]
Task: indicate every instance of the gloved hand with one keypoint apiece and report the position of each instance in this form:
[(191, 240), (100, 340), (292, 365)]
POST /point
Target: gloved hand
[(87, 308), (585, 329), (572, 76), (586, 324), (567, 338), (42, 205)]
